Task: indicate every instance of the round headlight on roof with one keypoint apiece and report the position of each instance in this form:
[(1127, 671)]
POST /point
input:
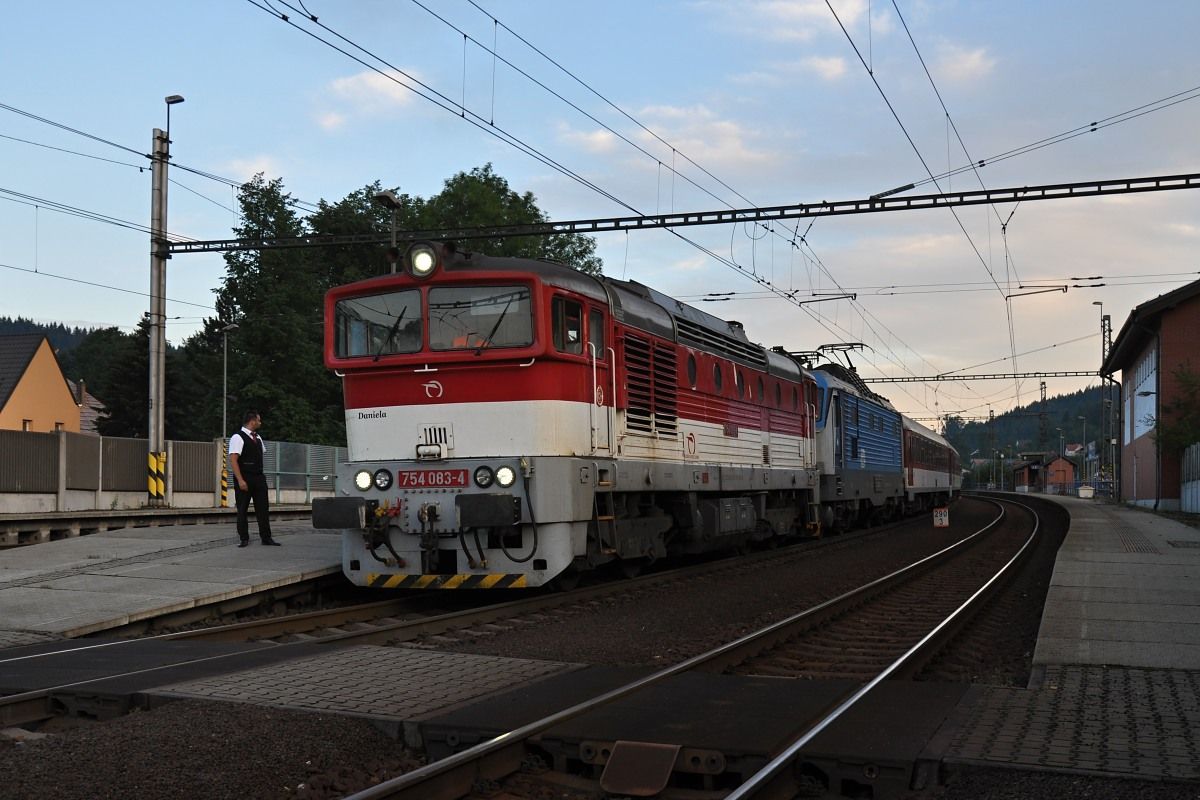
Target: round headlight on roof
[(363, 480), (505, 476), (422, 260)]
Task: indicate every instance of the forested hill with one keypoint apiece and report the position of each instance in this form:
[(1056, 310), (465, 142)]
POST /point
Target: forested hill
[(61, 337), (1022, 430)]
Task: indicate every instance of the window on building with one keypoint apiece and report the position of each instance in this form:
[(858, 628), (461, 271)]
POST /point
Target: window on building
[(26, 425)]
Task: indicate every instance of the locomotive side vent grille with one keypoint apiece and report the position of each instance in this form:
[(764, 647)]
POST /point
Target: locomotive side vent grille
[(436, 434), (703, 338), (650, 385), (767, 454)]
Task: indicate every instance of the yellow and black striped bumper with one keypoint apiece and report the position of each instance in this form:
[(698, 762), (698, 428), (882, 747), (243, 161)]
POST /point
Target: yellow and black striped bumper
[(461, 581)]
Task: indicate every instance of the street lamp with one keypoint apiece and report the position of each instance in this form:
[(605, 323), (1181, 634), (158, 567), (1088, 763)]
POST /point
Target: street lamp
[(388, 199), (233, 326)]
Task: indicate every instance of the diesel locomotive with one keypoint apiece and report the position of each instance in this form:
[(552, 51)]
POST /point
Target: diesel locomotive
[(513, 422)]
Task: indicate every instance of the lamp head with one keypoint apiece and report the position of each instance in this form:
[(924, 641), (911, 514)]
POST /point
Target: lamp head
[(388, 199), (173, 99)]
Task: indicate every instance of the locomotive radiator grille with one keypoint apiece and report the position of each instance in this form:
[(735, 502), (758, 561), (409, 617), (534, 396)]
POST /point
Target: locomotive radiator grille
[(650, 383)]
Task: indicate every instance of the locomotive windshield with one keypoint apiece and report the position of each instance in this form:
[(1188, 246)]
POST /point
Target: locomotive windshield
[(378, 324), (471, 317)]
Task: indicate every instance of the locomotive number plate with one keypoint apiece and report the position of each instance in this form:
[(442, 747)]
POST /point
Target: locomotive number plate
[(426, 478)]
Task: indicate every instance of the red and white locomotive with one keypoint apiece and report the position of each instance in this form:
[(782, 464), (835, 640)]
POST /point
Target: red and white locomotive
[(513, 421)]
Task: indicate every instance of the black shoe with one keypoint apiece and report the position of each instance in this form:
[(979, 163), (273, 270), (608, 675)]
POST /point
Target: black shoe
[(244, 542), (271, 542)]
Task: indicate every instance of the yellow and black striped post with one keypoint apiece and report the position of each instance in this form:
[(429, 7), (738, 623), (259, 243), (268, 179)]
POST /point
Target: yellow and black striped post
[(225, 474), (156, 470)]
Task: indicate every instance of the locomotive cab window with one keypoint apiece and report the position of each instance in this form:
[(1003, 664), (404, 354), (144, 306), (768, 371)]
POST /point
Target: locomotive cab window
[(477, 317), (691, 370), (566, 319), (596, 333), (378, 325)]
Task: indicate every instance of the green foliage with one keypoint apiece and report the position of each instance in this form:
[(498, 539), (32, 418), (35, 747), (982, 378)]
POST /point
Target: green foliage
[(1022, 429), (1179, 427)]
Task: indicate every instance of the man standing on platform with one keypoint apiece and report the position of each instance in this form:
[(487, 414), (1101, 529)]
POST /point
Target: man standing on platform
[(246, 451)]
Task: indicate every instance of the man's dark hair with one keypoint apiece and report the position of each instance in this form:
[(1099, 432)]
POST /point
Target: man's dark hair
[(249, 415)]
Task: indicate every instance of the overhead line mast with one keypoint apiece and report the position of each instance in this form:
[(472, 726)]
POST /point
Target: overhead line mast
[(872, 205)]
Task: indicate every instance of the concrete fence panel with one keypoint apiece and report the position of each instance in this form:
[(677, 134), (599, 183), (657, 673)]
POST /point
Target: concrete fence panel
[(28, 461), (124, 462), (83, 461)]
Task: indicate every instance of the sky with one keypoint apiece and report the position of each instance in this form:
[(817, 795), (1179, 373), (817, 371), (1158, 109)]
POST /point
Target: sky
[(644, 107)]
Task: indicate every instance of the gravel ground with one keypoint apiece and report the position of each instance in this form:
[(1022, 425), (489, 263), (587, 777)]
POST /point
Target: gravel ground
[(217, 750), (203, 751)]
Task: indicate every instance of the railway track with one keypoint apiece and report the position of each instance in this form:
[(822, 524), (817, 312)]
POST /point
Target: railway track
[(406, 619), (493, 760)]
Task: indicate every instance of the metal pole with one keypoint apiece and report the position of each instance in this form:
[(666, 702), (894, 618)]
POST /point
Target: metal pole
[(158, 286), (224, 380)]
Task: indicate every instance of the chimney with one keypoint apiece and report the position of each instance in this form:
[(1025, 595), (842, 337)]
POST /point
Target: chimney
[(82, 388)]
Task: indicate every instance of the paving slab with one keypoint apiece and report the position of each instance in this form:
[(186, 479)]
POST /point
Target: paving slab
[(1125, 591), (72, 587), (348, 681)]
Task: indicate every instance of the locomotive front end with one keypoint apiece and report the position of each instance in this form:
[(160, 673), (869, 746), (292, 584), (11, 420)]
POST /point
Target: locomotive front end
[(463, 431)]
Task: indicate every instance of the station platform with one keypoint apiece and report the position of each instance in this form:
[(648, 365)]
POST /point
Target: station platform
[(87, 584), (1115, 687)]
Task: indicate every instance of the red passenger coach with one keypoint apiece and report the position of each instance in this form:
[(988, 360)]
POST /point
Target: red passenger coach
[(931, 468), (513, 421)]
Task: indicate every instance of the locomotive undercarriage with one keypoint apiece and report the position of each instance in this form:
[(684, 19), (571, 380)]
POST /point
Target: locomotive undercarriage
[(564, 515)]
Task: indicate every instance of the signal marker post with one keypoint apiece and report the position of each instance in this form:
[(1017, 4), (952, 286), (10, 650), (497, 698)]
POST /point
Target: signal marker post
[(941, 517)]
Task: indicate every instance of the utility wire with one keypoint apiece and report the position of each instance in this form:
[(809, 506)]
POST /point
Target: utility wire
[(207, 307), (62, 208)]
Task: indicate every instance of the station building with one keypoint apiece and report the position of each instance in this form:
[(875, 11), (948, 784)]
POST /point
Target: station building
[(1156, 346)]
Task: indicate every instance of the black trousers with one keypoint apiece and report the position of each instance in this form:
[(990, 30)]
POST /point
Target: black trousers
[(256, 486)]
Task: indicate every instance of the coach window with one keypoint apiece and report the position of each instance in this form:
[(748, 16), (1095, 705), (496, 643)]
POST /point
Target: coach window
[(718, 380), (566, 318), (596, 333), (691, 370), (740, 382)]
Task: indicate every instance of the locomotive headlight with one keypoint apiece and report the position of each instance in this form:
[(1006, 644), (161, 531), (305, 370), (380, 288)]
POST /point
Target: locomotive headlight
[(422, 259), (505, 476), (362, 479), (484, 477), (383, 480)]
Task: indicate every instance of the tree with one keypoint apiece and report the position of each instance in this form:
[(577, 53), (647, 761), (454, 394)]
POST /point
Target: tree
[(481, 197)]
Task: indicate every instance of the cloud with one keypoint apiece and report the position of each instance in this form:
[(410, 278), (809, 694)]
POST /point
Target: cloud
[(962, 65), (798, 20), (829, 69), (596, 142), (1183, 229), (246, 168), (331, 120), (702, 135), (367, 94)]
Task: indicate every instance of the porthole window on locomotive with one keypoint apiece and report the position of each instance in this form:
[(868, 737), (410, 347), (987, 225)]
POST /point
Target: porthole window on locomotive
[(795, 399), (691, 370), (762, 392), (778, 396), (740, 382), (718, 380)]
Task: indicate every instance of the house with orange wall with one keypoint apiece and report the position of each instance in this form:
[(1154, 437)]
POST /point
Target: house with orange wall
[(34, 394)]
